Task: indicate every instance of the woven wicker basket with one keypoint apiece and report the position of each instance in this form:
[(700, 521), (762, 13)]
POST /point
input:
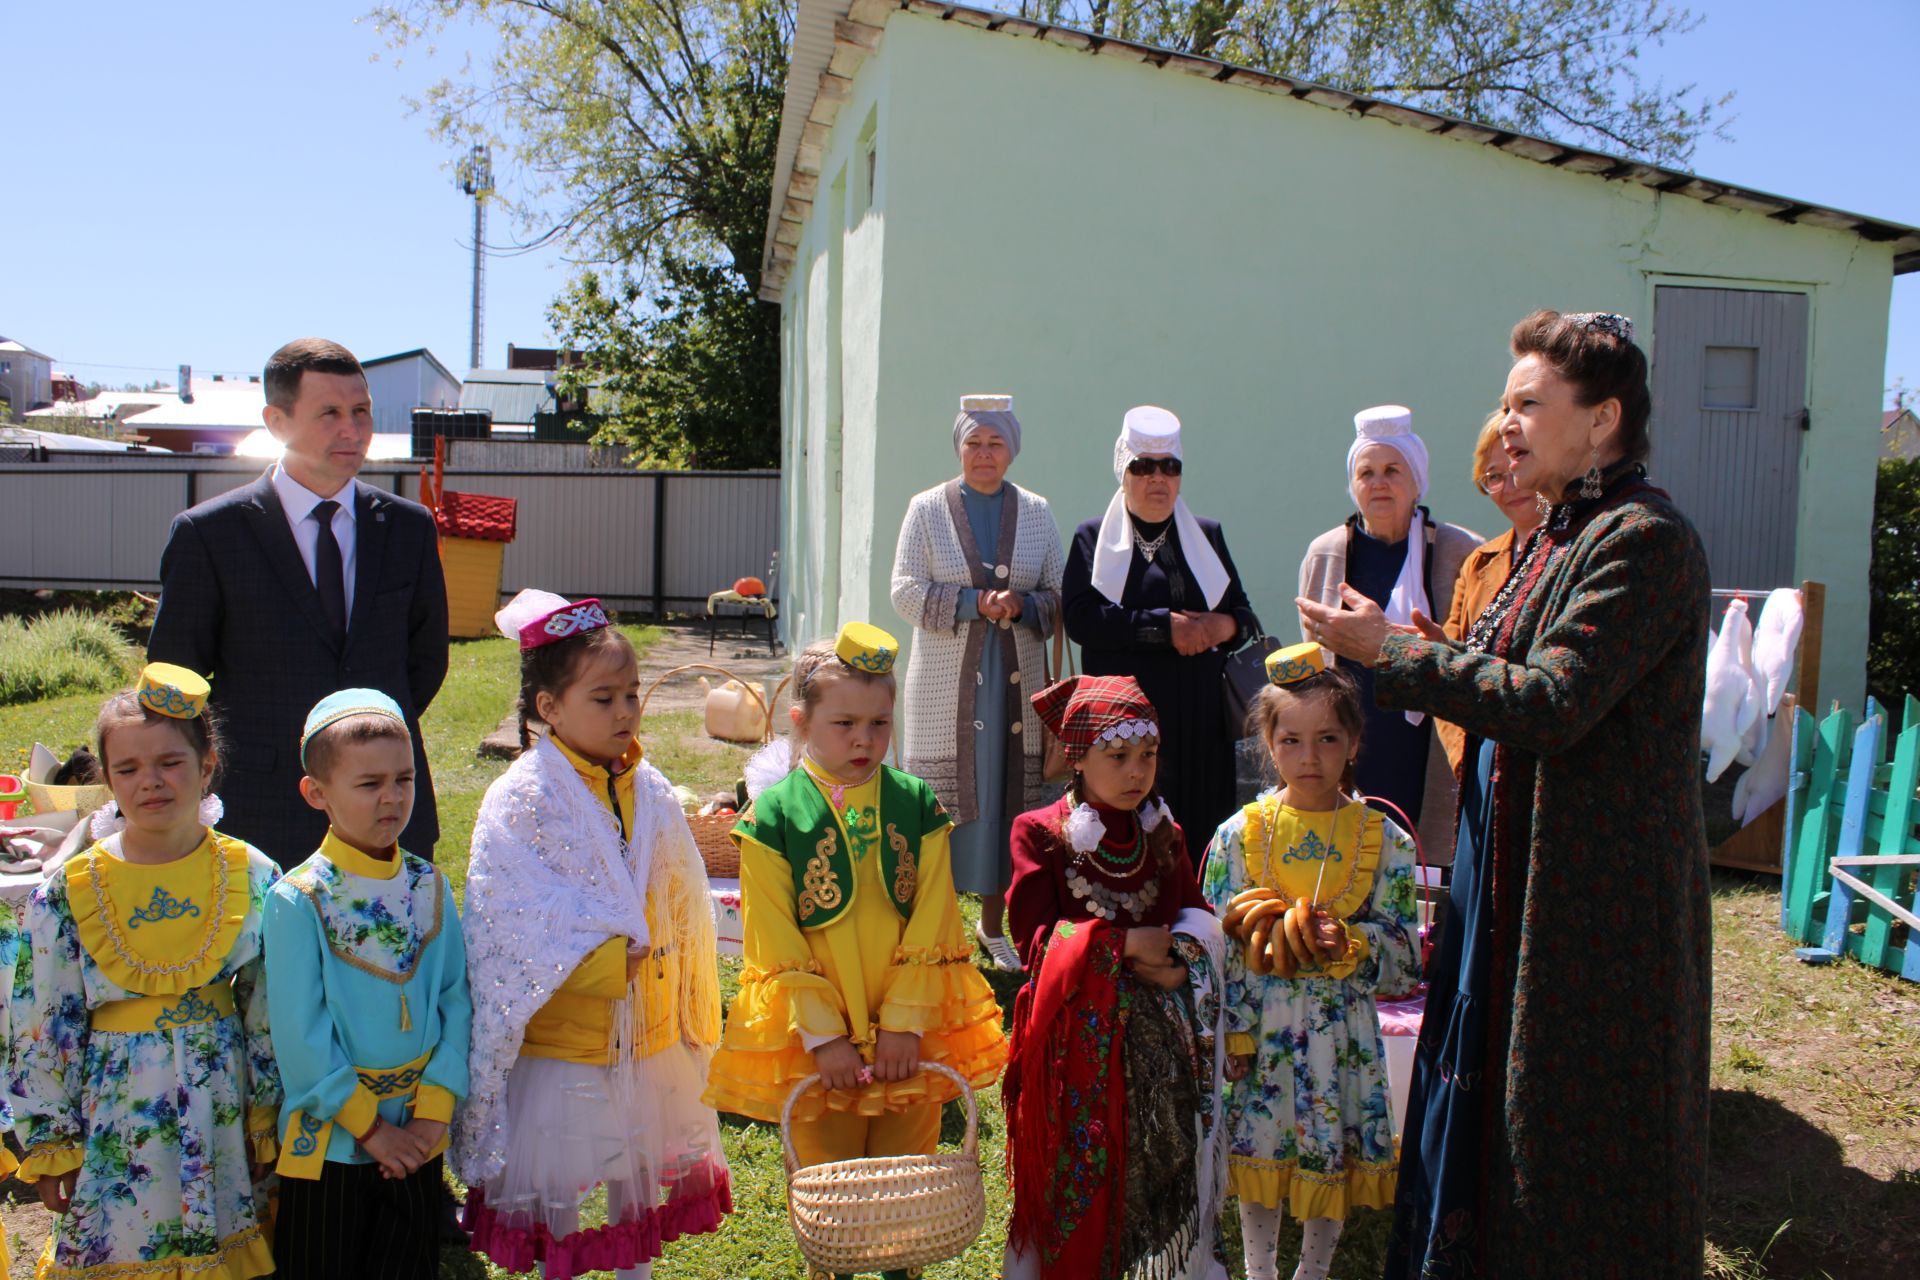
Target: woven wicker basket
[(885, 1213), (711, 830), (712, 834)]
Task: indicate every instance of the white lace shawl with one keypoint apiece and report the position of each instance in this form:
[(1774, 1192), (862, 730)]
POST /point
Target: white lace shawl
[(548, 882)]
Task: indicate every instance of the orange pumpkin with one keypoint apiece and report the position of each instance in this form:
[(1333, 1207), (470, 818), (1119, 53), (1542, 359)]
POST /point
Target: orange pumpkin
[(751, 587)]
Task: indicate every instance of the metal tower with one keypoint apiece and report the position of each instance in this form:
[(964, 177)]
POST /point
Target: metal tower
[(475, 177)]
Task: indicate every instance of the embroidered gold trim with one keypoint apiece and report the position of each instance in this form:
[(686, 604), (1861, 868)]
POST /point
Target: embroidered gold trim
[(821, 891), (906, 871), (111, 928), (1268, 874), (420, 947)]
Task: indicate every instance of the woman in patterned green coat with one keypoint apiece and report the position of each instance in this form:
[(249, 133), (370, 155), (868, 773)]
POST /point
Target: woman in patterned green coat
[(1558, 1120)]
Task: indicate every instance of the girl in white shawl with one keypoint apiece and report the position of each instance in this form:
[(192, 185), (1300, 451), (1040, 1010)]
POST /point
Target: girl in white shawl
[(590, 939)]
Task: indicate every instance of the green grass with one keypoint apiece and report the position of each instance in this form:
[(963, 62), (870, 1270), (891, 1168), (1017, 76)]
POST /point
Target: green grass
[(60, 653)]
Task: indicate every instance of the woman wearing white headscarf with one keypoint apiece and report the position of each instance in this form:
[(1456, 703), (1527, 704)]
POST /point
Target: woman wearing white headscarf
[(977, 575), (1151, 592), (1394, 553)]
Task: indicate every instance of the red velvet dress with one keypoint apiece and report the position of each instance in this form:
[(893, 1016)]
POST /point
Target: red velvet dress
[(1094, 1197), (1041, 895)]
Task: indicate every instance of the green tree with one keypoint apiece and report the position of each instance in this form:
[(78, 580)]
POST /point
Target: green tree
[(1893, 608), (649, 126), (1564, 68), (643, 132)]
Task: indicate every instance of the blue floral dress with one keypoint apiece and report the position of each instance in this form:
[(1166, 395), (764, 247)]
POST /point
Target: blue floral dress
[(141, 1058), (1310, 1126)]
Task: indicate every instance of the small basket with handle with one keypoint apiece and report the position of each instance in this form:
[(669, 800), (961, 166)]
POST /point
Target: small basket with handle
[(885, 1213), (711, 831)]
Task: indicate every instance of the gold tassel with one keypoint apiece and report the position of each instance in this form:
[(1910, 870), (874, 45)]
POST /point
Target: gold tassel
[(406, 1014)]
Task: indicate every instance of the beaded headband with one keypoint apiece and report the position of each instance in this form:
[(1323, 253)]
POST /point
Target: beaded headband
[(1607, 322), (1295, 662), (171, 691)]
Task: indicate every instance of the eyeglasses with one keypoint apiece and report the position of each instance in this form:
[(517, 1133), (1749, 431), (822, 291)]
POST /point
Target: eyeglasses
[(1147, 466), (1493, 477)]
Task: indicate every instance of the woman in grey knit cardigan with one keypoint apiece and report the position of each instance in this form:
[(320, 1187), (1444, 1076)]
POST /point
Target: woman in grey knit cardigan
[(977, 574)]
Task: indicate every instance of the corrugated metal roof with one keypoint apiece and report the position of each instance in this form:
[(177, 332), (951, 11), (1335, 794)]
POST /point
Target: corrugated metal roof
[(405, 355), (832, 37), (513, 396)]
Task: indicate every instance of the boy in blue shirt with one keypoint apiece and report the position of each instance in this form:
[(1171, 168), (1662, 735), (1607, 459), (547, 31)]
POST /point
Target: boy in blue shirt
[(368, 1003)]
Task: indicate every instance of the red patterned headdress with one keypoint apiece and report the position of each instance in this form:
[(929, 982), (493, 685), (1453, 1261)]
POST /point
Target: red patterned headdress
[(537, 618), (1084, 711)]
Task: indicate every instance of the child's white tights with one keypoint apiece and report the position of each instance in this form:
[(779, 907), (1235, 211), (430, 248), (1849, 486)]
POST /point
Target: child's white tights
[(1260, 1239), (1318, 1236)]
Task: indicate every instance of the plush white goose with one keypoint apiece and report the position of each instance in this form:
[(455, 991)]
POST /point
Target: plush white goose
[(1760, 787), (1776, 639), (1733, 697)]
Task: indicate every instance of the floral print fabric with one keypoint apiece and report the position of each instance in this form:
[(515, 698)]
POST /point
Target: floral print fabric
[(380, 923), (1310, 1126), (161, 1124)]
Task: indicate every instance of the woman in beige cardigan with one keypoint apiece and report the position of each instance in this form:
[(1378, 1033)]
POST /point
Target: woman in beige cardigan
[(1393, 553), (977, 574)]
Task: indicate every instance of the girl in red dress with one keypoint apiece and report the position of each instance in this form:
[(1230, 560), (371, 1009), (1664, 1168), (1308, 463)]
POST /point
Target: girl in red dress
[(1126, 959)]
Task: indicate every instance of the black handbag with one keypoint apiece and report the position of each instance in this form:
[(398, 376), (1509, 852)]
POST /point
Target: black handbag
[(1242, 679)]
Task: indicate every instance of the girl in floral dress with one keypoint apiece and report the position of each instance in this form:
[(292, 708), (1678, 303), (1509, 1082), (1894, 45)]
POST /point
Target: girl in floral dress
[(143, 1083), (1111, 1180), (1308, 1115)]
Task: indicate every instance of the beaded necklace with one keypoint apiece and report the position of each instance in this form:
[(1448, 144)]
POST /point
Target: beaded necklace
[(1121, 865)]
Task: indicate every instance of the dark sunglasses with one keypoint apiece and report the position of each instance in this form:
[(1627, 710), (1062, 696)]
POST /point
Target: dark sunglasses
[(1147, 466)]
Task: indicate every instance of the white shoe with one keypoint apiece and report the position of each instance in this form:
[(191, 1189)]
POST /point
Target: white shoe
[(999, 950)]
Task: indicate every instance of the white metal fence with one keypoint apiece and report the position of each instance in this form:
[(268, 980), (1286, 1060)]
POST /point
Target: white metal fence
[(640, 540)]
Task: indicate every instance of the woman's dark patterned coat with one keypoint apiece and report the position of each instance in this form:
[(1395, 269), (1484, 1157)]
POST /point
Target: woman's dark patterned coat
[(1595, 1141)]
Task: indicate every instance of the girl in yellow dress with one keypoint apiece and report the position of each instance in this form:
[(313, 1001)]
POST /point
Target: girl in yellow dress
[(858, 965), (143, 1083), (590, 950)]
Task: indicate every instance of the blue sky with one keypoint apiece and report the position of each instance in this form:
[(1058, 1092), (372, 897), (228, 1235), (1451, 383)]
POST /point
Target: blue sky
[(214, 178)]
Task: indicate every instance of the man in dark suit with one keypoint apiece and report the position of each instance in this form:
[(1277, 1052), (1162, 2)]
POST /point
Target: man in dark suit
[(302, 583)]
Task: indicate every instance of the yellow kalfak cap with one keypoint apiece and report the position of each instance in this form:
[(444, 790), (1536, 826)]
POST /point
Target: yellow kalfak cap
[(1295, 662), (865, 647), (173, 691)]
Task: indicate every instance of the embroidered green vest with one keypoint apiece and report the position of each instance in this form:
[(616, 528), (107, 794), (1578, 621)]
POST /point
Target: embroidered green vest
[(792, 818)]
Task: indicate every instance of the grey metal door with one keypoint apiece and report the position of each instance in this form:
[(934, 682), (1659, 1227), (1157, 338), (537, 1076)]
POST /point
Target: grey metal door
[(1729, 408)]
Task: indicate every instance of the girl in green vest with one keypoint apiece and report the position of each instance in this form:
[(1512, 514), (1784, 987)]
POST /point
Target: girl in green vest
[(858, 965)]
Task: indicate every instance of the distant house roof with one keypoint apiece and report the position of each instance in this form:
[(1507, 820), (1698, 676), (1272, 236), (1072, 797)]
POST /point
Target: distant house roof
[(61, 440), (108, 404), (1899, 434), (831, 38), (11, 347), (235, 406), (408, 355), (513, 396)]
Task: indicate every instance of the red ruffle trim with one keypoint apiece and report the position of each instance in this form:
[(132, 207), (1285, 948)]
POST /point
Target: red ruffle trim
[(696, 1206)]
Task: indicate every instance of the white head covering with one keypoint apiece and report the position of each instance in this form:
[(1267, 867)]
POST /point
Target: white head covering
[(1148, 430), (1392, 425)]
